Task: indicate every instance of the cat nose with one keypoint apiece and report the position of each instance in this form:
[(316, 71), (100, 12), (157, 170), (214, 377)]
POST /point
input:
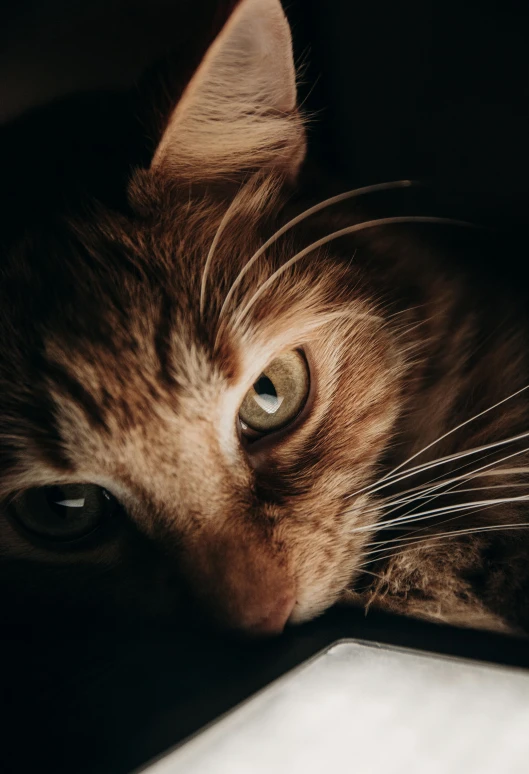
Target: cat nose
[(273, 621), (243, 585)]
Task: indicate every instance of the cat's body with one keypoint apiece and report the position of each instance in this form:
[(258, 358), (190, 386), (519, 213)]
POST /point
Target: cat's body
[(128, 343)]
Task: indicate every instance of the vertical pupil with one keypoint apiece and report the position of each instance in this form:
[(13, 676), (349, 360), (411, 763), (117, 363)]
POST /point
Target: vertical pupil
[(266, 395), (55, 496), (265, 386), (63, 504)]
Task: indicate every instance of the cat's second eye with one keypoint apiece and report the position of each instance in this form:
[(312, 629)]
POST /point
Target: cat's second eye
[(62, 513), (277, 397)]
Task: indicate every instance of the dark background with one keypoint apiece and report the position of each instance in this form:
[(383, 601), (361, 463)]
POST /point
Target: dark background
[(419, 88), (436, 91)]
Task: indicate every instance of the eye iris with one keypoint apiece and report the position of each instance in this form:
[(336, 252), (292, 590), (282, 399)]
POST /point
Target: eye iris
[(278, 395), (63, 512)]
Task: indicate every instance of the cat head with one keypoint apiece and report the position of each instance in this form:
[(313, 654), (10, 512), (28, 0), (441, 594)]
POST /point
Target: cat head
[(184, 407)]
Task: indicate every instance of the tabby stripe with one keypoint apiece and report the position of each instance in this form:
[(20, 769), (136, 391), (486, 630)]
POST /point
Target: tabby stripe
[(162, 341), (69, 385)]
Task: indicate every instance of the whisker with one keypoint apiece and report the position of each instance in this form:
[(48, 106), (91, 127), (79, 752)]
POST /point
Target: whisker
[(374, 574), (451, 490), (209, 259), (468, 477), (423, 490), (374, 555), (388, 480), (429, 514), (336, 235), (302, 216), (417, 492), (451, 533), (456, 456), (453, 430), (479, 504), (508, 471), (481, 488), (404, 538), (420, 499)]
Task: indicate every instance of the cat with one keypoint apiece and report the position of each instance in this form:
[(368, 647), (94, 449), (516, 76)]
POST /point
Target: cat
[(245, 396)]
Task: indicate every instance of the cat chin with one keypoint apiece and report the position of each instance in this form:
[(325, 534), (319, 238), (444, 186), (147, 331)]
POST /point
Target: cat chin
[(308, 609), (301, 615)]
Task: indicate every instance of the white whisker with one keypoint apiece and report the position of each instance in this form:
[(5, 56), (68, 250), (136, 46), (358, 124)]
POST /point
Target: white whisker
[(218, 233), (449, 533), (453, 430), (407, 538), (421, 495), (457, 490), (388, 480), (429, 514), (301, 217), (403, 541), (476, 488), (457, 456), (423, 490), (465, 477), (507, 471), (417, 492), (374, 574), (336, 235)]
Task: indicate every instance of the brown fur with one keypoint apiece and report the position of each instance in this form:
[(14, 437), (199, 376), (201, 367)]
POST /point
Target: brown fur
[(112, 374)]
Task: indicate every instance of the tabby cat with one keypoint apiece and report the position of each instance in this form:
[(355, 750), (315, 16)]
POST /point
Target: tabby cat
[(240, 393)]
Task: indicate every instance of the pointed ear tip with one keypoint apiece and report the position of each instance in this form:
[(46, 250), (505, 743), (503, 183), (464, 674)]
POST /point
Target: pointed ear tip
[(212, 130), (260, 5)]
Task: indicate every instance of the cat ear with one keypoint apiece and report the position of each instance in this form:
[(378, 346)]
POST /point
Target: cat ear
[(239, 110)]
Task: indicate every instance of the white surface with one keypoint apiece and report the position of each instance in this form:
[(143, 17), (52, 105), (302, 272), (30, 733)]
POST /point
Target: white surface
[(367, 709)]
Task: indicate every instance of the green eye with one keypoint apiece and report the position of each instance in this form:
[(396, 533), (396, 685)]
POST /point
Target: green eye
[(277, 397), (61, 513)]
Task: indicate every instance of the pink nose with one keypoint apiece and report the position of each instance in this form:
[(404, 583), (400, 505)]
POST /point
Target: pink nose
[(274, 620)]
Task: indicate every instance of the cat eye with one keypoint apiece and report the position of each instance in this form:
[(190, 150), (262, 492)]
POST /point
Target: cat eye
[(62, 513), (277, 397)]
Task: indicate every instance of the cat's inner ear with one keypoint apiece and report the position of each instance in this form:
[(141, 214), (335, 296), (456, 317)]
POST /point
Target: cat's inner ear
[(239, 110)]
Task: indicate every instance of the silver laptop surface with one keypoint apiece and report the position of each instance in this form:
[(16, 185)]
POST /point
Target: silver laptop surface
[(370, 709)]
